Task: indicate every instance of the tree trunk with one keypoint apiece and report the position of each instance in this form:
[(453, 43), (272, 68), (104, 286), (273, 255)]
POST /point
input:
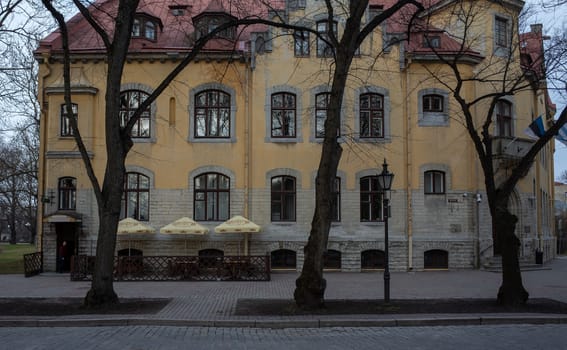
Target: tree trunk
[(512, 291), (102, 289), (310, 286)]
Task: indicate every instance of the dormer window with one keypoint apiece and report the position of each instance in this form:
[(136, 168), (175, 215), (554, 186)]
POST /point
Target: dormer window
[(208, 24), (432, 41), (144, 28)]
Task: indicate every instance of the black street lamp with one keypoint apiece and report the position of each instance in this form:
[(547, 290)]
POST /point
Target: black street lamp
[(385, 179)]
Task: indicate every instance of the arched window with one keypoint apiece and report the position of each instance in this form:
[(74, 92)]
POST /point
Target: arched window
[(332, 259), (144, 28), (434, 182), (136, 197), (370, 199), (283, 114), (67, 189), (283, 259), (371, 115), (504, 118), (372, 259), (212, 114), (211, 197), (436, 259), (130, 100), (65, 123), (283, 198)]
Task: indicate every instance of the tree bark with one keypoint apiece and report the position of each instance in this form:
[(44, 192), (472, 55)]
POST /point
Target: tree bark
[(310, 286), (512, 291)]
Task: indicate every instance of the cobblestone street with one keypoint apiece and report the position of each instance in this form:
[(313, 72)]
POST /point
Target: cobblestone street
[(501, 337)]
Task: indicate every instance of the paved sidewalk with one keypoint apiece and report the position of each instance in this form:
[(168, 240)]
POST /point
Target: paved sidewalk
[(214, 303)]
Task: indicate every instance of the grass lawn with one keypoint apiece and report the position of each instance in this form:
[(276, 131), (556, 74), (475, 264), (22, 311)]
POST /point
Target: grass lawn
[(12, 257)]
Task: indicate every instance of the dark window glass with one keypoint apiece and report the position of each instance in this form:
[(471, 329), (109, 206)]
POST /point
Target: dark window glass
[(144, 28), (283, 198), (323, 48), (332, 259), (130, 100), (67, 189), (501, 32), (336, 200), (283, 115), (136, 197), (65, 123), (436, 259), (321, 110), (370, 199), (212, 114), (432, 41), (211, 197), (301, 43), (283, 259), (432, 103), (504, 118), (371, 115), (434, 182), (372, 259)]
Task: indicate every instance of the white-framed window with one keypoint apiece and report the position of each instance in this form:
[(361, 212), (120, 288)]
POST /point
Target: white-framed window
[(130, 100), (301, 43), (323, 48), (65, 123), (434, 182), (433, 107), (371, 115), (144, 27), (67, 193)]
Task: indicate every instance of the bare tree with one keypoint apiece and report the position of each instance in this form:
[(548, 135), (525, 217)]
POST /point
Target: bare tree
[(115, 34), (310, 286), (497, 75), (18, 183)]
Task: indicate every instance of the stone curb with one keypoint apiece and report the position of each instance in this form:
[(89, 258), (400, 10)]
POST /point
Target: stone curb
[(279, 324)]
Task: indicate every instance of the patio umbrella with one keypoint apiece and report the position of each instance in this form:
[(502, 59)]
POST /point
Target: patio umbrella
[(130, 226), (184, 226), (238, 224)]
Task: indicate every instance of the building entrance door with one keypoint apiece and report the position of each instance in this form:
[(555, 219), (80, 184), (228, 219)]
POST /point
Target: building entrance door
[(66, 245)]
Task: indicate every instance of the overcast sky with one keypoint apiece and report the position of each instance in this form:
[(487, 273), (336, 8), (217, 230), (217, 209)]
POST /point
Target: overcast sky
[(553, 20)]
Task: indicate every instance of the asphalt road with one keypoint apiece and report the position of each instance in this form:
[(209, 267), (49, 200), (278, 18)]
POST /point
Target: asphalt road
[(502, 337)]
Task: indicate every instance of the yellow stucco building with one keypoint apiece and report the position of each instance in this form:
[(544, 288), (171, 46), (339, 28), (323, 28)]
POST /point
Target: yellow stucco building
[(238, 132)]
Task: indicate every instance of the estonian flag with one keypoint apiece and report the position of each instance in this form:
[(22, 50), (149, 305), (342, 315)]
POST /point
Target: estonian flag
[(537, 129)]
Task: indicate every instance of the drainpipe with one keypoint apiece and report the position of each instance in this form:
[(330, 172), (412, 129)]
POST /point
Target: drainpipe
[(248, 143), (408, 175), (42, 152)]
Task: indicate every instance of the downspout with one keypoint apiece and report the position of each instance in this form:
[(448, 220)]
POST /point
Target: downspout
[(408, 172), (248, 140), (42, 151)]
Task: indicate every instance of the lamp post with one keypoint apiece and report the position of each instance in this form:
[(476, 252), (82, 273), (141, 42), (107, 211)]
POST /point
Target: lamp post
[(385, 179)]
